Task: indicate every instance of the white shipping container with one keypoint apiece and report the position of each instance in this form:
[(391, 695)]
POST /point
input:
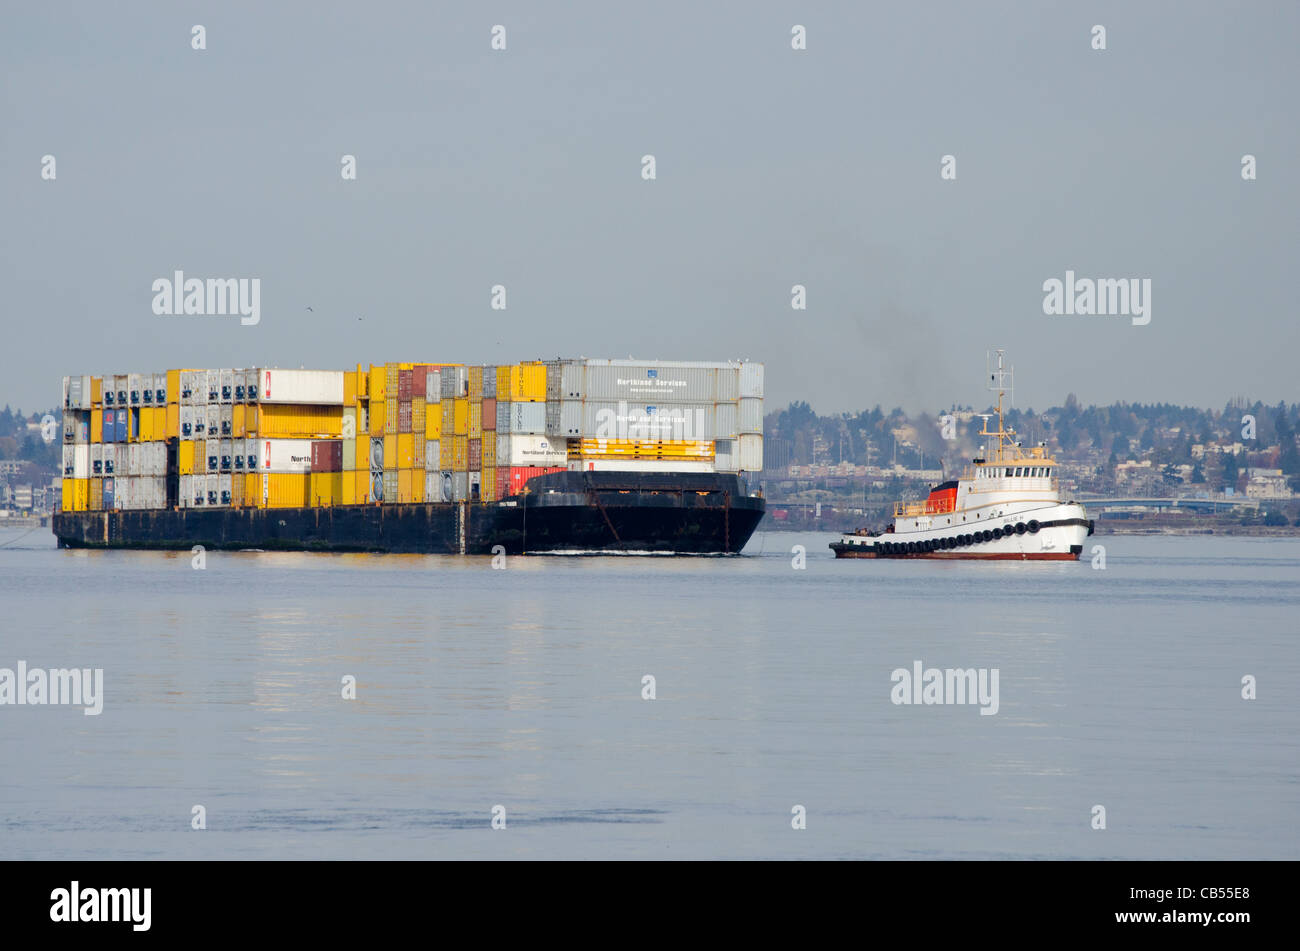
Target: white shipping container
[(460, 486), (651, 382), (433, 388), (489, 383), (454, 382), (213, 389), (227, 386), (751, 415), (81, 461), (184, 486), (433, 486), (523, 418), (133, 459), (530, 450), (623, 420), (187, 422), (135, 388), (213, 487), (252, 454), (224, 489), (69, 460), (213, 412), (750, 453), (751, 380), (187, 388), (320, 387), (160, 389), (227, 454), (432, 450), (728, 421), (284, 455), (724, 455), (96, 459), (76, 393), (227, 421)]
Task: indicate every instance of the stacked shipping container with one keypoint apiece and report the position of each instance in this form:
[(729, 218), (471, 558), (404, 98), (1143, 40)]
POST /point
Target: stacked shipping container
[(397, 432)]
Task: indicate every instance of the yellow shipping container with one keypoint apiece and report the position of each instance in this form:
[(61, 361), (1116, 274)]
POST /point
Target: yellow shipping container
[(433, 421), (67, 493), (173, 387), (377, 417), (446, 453), (96, 494), (362, 477), (488, 485), (390, 416), (417, 486), (503, 383), (527, 383), (404, 482), (96, 425), (390, 451), (417, 414), (405, 450), (145, 416), (297, 421), (325, 488), (172, 424), (489, 451), (460, 453), (237, 485), (390, 380), (252, 489), (347, 488), (349, 387), (476, 383), (185, 457), (160, 422), (96, 391), (80, 494), (475, 420), (376, 388), (448, 417), (461, 411), (286, 489), (237, 421)]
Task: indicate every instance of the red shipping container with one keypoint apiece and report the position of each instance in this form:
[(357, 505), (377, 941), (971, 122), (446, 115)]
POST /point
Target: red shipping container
[(327, 456), (490, 412), (419, 380), (503, 482), (404, 384), (521, 474), (475, 455), (404, 417)]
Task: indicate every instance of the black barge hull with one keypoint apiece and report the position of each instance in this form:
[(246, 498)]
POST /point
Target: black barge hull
[(574, 512)]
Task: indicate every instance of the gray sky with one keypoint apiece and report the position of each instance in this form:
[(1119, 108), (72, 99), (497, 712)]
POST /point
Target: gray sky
[(775, 167)]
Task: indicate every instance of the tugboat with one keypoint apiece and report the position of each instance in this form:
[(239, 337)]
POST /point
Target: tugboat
[(1007, 505)]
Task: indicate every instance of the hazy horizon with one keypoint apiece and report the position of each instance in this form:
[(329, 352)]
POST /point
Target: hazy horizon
[(775, 167)]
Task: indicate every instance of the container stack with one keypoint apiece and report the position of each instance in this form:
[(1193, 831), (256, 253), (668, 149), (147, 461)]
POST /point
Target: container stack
[(396, 433), (116, 429), (657, 416)]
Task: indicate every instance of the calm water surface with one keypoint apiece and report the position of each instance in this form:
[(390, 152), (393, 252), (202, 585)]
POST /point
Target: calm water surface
[(522, 687)]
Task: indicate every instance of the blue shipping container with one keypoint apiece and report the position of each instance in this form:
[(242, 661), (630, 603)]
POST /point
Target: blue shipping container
[(108, 493), (119, 431)]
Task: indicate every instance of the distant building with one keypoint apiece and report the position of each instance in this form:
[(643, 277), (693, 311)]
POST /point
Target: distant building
[(1268, 484)]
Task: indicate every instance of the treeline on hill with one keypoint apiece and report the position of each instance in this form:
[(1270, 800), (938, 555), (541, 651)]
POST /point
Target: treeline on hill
[(19, 442), (1105, 435)]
